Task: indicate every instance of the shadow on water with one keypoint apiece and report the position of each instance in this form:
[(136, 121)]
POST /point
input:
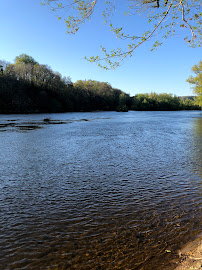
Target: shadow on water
[(197, 143)]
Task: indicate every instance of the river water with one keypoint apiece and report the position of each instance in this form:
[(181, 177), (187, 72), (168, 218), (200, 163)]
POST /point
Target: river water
[(101, 190)]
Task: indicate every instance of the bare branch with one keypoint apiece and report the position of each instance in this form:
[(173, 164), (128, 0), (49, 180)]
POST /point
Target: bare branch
[(183, 18)]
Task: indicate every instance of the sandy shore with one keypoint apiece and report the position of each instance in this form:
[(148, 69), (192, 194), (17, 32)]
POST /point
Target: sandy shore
[(191, 255)]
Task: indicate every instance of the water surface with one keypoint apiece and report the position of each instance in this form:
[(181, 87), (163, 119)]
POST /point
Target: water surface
[(102, 190)]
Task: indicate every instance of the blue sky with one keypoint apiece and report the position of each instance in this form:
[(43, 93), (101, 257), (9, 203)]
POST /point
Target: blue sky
[(27, 27)]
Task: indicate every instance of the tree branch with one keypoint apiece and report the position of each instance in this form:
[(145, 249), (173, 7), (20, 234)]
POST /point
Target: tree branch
[(150, 35), (183, 18)]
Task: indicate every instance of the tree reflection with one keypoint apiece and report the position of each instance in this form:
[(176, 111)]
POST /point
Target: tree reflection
[(197, 144)]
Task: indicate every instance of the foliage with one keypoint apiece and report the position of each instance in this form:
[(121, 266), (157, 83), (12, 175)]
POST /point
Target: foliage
[(29, 87), (25, 59), (3, 65), (1, 70), (164, 18), (197, 82), (189, 104), (99, 95), (161, 102)]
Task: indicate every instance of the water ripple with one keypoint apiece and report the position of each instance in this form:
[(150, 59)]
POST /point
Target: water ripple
[(113, 192)]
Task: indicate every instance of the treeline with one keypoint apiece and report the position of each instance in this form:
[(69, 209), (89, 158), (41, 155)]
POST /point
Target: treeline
[(29, 87), (162, 102)]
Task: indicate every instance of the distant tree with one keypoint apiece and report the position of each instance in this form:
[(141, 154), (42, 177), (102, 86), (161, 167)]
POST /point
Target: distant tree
[(164, 19), (124, 102), (22, 67), (197, 82), (25, 59), (37, 85), (4, 64), (27, 87), (1, 70), (26, 68), (156, 102), (97, 95), (189, 104)]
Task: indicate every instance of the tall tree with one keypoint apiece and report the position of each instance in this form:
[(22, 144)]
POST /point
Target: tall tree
[(3, 65), (164, 19), (196, 81), (25, 59)]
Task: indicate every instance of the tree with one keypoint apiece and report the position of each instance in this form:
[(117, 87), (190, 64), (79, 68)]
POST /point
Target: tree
[(25, 59), (3, 65), (158, 102), (197, 82), (94, 95), (164, 19), (22, 68), (1, 70), (27, 86), (26, 68)]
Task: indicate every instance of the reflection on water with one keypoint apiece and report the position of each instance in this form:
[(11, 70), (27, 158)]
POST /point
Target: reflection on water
[(114, 192), (197, 141)]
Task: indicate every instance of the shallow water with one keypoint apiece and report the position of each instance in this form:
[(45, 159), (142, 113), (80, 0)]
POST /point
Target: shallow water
[(101, 190)]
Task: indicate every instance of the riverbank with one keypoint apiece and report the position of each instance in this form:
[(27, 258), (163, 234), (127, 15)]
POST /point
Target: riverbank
[(191, 255)]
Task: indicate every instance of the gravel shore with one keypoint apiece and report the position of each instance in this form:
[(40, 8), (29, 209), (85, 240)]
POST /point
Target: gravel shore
[(191, 255)]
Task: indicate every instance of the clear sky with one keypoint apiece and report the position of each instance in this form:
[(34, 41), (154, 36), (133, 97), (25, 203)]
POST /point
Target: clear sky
[(27, 27)]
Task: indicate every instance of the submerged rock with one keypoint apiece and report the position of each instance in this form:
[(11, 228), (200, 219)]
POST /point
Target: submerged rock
[(46, 119)]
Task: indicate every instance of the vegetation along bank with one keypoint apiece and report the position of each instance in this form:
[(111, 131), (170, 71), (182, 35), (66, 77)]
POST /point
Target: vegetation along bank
[(29, 87)]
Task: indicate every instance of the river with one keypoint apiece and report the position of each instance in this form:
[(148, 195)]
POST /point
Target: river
[(100, 190)]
